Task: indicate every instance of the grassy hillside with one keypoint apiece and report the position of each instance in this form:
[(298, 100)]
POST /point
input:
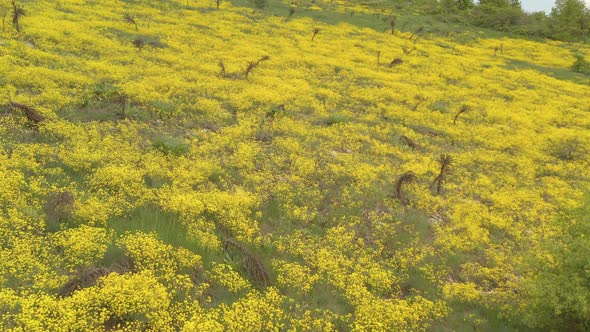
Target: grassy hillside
[(167, 165)]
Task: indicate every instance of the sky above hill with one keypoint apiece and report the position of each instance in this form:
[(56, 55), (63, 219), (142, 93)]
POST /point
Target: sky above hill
[(540, 5)]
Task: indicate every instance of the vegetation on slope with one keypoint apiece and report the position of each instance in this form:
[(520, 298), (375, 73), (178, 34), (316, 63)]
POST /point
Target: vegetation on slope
[(201, 165)]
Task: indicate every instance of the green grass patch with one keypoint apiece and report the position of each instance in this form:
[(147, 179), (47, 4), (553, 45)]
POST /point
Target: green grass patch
[(169, 145), (564, 74), (152, 219), (334, 119)]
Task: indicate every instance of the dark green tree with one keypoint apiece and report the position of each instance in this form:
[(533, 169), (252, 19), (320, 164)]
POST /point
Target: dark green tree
[(464, 4), (499, 14), (500, 3), (570, 19)]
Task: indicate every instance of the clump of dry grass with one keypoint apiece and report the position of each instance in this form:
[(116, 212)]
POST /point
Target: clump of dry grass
[(253, 264), (408, 142), (419, 101), (30, 112), (59, 205), (83, 279), (89, 277)]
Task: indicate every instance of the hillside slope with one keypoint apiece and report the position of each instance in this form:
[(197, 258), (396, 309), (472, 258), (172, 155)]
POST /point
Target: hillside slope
[(172, 166)]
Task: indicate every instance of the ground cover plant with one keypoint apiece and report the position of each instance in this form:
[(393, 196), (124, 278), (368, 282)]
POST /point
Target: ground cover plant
[(270, 166)]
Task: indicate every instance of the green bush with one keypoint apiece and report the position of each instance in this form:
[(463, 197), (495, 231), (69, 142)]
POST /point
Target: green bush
[(568, 149), (559, 290), (581, 65), (334, 119), (501, 18), (171, 146)]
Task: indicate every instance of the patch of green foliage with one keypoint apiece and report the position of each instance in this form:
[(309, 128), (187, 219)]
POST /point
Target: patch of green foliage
[(581, 65), (560, 293)]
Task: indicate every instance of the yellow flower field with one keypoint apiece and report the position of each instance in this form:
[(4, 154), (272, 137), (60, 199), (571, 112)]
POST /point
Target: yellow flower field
[(169, 188)]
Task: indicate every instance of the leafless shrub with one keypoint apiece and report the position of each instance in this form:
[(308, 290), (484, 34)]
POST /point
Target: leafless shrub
[(253, 64), (464, 109), (223, 72), (131, 20), (420, 30), (395, 62), (391, 24), (402, 182), (139, 43), (445, 161), (17, 12), (315, 32)]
